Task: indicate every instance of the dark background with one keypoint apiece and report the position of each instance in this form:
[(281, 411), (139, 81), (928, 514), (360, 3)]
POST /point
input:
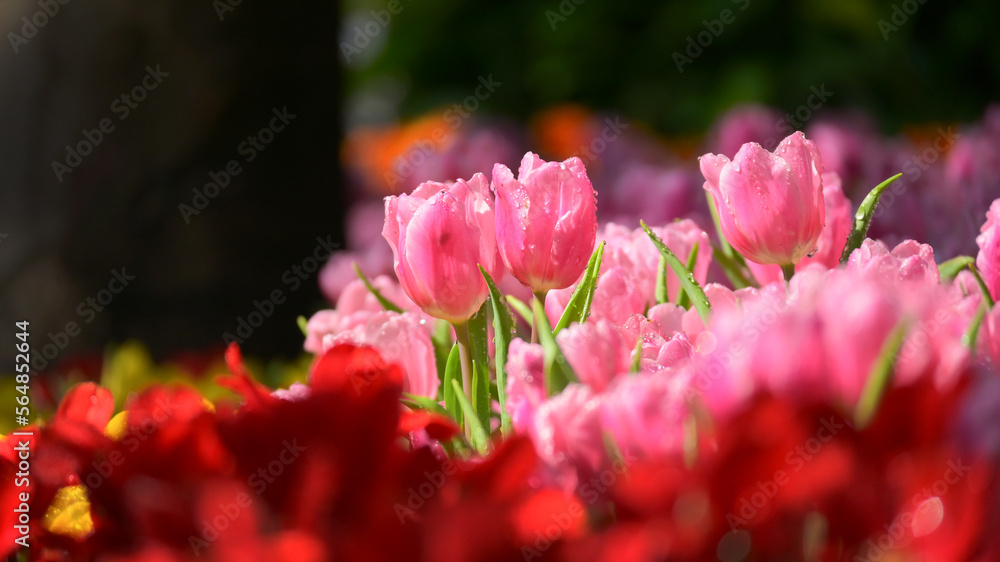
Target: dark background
[(119, 208)]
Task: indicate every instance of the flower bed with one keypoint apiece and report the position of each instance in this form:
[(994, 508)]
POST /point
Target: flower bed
[(756, 380)]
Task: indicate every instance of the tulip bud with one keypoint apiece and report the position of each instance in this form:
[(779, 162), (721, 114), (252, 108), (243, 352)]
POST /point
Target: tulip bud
[(439, 235), (770, 205), (546, 221)]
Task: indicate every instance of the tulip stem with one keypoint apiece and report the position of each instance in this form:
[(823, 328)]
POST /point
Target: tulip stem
[(788, 270), (534, 322), (465, 355)]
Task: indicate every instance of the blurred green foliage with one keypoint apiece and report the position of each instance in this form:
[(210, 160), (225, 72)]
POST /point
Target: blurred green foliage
[(940, 63)]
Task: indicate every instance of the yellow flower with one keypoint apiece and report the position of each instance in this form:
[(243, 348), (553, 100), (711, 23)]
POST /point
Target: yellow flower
[(69, 514), (116, 427)]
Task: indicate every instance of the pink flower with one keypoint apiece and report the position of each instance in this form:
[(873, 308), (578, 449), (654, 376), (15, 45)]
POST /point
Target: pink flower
[(439, 235), (988, 260), (597, 352), (567, 434), (525, 383), (546, 221), (645, 413), (403, 339), (356, 305), (831, 240), (908, 262), (825, 340), (662, 346), (632, 250), (616, 298), (770, 205), (295, 393)]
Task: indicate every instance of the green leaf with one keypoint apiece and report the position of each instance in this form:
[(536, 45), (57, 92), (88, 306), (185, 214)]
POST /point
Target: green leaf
[(863, 218), (503, 332), (302, 322), (662, 295), (951, 268), (558, 372), (386, 303), (480, 439), (453, 373), (688, 282), (479, 351), (733, 270), (971, 335), (578, 307), (522, 309), (424, 403), (442, 342), (637, 360), (987, 298), (683, 300), (881, 375)]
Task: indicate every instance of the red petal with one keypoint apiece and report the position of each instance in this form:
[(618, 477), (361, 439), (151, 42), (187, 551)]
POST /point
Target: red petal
[(241, 382), (438, 427), (87, 403)]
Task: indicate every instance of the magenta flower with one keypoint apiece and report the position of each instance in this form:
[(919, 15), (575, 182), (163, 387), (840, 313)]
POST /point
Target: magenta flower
[(988, 260), (546, 221), (770, 205), (439, 234)]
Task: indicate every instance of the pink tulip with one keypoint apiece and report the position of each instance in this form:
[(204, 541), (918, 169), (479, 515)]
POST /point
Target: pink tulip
[(645, 413), (908, 262), (439, 234), (567, 435), (770, 205), (831, 240), (403, 339), (616, 298), (597, 352), (356, 305), (662, 347), (546, 221), (525, 383), (632, 250), (988, 260)]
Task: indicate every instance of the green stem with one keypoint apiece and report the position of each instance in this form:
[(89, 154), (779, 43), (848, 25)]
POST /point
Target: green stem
[(534, 322), (789, 271), (465, 356)]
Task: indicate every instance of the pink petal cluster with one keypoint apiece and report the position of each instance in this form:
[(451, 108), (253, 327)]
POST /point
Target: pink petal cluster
[(354, 307), (824, 341), (440, 234), (403, 339), (909, 262), (629, 266), (770, 205), (546, 221)]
